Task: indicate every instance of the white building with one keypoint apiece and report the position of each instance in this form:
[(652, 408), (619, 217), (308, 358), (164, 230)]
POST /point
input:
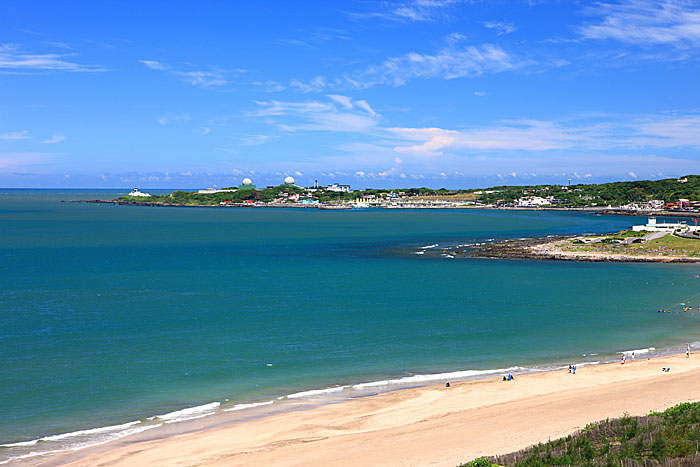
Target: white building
[(340, 188), (215, 190), (529, 201), (138, 193), (653, 226)]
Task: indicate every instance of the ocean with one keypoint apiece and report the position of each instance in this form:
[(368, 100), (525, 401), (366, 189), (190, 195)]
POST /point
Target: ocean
[(119, 319)]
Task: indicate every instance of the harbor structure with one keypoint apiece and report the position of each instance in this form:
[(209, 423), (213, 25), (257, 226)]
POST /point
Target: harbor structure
[(653, 226)]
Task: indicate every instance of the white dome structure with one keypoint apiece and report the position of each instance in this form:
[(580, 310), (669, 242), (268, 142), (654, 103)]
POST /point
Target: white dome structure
[(247, 181), (289, 181)]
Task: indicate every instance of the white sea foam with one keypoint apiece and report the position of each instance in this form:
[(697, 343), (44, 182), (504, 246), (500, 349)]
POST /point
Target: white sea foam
[(638, 351), (429, 246), (189, 413), (104, 429), (417, 379), (316, 392), (371, 384), (247, 406), (21, 443), (78, 439)]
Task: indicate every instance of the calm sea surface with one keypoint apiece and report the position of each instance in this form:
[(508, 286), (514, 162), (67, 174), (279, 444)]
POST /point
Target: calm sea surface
[(113, 314)]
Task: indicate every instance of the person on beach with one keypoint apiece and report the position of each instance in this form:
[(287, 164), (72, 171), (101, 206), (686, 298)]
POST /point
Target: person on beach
[(622, 362), (687, 351), (447, 385), (569, 368), (574, 368)]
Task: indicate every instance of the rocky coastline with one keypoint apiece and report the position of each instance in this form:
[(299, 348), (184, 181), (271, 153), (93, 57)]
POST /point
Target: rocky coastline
[(549, 249)]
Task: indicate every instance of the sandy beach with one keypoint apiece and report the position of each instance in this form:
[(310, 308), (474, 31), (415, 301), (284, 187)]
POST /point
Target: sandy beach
[(433, 425)]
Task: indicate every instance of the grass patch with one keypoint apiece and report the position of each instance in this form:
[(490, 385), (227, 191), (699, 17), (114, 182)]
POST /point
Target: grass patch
[(669, 438)]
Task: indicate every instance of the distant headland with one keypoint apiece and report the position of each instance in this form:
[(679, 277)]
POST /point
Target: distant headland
[(672, 197)]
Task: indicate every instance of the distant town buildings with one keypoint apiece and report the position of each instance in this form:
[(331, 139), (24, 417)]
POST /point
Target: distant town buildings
[(339, 188), (530, 201)]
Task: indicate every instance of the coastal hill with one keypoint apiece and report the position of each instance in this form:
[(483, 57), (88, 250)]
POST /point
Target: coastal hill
[(667, 194)]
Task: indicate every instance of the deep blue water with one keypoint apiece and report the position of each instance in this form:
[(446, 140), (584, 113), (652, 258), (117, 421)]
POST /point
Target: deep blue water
[(110, 314)]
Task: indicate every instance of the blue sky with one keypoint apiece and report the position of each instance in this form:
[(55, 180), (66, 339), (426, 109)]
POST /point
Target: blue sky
[(452, 93)]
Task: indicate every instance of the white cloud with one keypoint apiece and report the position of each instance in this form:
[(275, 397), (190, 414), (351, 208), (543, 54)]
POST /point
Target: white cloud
[(412, 10), (359, 173), (14, 136), (632, 174), (502, 27), (324, 116), (448, 63), (479, 93), (344, 101), (173, 118), (533, 135), (153, 64), (647, 22), (54, 139), (15, 60), (317, 84), (203, 78), (204, 131), (270, 86), (200, 78)]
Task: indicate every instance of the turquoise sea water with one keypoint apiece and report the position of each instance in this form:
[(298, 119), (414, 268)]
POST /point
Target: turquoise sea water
[(113, 314)]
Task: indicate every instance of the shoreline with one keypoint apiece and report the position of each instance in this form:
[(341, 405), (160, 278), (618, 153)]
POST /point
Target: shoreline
[(592, 210), (546, 249), (314, 431)]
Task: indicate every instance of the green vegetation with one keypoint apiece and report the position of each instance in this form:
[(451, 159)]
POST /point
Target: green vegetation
[(668, 245), (614, 194), (669, 438)]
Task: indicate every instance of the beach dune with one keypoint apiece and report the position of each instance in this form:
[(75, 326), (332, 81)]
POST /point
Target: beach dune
[(424, 426)]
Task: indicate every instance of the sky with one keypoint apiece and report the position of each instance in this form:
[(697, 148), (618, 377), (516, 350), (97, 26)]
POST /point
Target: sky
[(436, 93)]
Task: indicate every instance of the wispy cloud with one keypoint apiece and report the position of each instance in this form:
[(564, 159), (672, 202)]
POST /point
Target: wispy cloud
[(200, 78), (154, 65), (173, 118), (14, 59), (14, 135), (203, 79), (658, 131), (411, 10), (645, 22), (342, 114), (448, 63), (501, 27), (255, 140), (54, 139), (270, 86), (22, 161)]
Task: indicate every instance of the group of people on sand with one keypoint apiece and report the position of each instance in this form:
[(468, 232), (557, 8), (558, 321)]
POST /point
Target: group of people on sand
[(572, 369), (508, 378)]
